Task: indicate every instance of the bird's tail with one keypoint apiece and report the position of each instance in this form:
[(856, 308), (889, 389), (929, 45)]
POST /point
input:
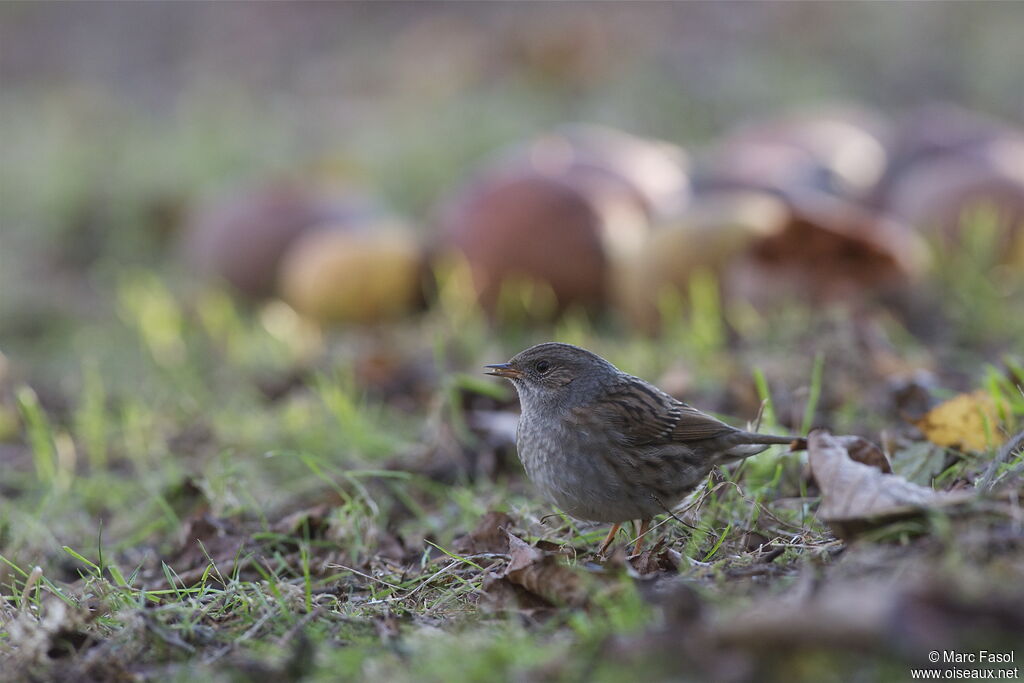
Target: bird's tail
[(795, 443), (747, 444)]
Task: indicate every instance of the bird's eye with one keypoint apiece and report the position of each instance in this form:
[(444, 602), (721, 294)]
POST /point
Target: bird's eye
[(543, 366)]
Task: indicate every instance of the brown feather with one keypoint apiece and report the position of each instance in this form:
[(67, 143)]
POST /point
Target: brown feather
[(646, 416)]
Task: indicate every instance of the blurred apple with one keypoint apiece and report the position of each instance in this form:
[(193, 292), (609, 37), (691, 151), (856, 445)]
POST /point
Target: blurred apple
[(950, 193), (241, 238), (754, 166), (929, 133), (839, 150), (335, 273), (708, 235), (529, 226), (556, 212), (653, 173)]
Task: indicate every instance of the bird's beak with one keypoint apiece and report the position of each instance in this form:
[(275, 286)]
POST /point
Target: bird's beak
[(503, 370)]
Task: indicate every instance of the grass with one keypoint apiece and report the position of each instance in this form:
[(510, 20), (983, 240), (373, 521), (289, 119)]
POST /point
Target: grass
[(198, 488), (186, 524)]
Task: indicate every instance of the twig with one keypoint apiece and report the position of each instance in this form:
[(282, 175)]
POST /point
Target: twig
[(365, 576), (447, 568), (1011, 447)]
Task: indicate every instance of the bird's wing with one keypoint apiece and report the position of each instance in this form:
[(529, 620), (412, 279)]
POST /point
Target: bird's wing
[(644, 415)]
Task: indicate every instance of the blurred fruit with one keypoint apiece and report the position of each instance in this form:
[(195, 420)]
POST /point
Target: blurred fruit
[(651, 172), (527, 225), (712, 231), (835, 150), (951, 193), (927, 134), (820, 164), (337, 274), (754, 166), (813, 246), (241, 238), (830, 250), (558, 211)]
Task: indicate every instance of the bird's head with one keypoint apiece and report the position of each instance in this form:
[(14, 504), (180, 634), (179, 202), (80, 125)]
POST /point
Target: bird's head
[(554, 373)]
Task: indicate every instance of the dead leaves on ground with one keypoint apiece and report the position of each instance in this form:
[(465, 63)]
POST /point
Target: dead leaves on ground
[(902, 620), (536, 577), (856, 480), (531, 577), (541, 573), (968, 422), (539, 580), (658, 559), (859, 490)]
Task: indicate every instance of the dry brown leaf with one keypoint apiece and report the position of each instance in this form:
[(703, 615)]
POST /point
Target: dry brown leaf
[(865, 452), (542, 574), (656, 560), (315, 519), (855, 492), (967, 421), (857, 615), (204, 538), (489, 535)]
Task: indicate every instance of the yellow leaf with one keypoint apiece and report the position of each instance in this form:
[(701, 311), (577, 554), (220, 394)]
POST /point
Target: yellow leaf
[(968, 421)]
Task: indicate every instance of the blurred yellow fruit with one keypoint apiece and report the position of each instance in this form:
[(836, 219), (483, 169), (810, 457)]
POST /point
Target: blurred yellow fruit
[(352, 276)]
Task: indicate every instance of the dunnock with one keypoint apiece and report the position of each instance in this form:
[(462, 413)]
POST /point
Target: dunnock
[(606, 446)]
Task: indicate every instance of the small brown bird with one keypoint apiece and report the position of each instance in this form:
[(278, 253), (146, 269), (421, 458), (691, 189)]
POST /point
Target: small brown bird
[(606, 446)]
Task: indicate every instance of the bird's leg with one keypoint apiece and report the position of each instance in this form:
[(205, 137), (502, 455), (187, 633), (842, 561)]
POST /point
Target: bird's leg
[(608, 539), (645, 525)]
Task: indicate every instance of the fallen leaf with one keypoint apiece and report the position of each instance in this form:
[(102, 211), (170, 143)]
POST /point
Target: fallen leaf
[(489, 535), (315, 519), (856, 615), (204, 537), (968, 422), (542, 574), (657, 559), (863, 451), (854, 493), (919, 462)]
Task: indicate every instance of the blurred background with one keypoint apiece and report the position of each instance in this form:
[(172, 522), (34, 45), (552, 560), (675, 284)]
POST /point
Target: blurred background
[(120, 122), (702, 165), (253, 256), (683, 170)]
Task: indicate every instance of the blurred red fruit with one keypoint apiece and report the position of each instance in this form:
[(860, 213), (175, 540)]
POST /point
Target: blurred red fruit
[(559, 210), (241, 238)]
